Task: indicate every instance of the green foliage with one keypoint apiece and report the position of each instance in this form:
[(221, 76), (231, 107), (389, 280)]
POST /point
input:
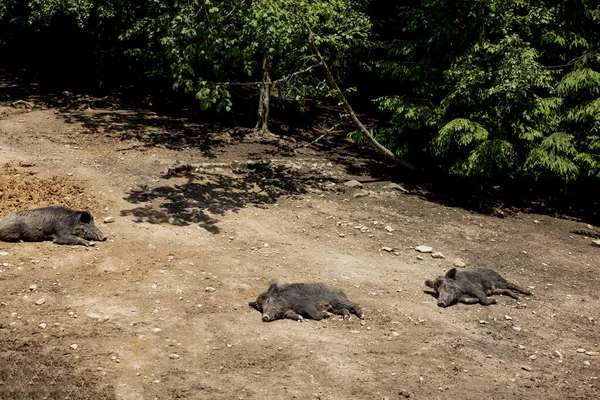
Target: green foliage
[(214, 44), (487, 88), (42, 11), (459, 132), (581, 79), (554, 158)]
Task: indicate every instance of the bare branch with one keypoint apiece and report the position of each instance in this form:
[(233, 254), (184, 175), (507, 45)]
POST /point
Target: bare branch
[(286, 78), (323, 135), (362, 129), (575, 60)]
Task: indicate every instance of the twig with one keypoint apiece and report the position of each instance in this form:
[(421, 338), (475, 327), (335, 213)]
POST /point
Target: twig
[(285, 78), (574, 60), (322, 136)]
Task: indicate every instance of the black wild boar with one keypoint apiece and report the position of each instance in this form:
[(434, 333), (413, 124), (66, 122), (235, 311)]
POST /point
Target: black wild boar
[(299, 300), (59, 224), (472, 286)]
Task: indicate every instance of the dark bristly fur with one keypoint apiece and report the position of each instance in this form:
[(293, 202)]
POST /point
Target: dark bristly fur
[(299, 300), (59, 224), (472, 286)]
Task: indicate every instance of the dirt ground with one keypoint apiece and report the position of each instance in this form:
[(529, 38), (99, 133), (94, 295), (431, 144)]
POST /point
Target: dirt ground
[(160, 310)]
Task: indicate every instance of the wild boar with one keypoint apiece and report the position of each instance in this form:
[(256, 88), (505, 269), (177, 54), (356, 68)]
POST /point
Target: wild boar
[(472, 286), (299, 300)]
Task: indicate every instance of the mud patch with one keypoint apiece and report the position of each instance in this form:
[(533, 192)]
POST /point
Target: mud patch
[(22, 188)]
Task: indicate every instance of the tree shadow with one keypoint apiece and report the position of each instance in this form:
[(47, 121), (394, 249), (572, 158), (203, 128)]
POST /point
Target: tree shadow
[(203, 196), (153, 130)]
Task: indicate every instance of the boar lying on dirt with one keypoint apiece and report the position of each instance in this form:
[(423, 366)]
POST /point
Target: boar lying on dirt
[(59, 224), (472, 286), (299, 300)]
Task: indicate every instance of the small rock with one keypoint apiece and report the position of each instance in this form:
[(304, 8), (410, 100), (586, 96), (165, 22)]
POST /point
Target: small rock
[(3, 253), (581, 350), (395, 186), (354, 331), (210, 289), (517, 328), (33, 287), (590, 227), (174, 356), (108, 220), (532, 357), (43, 325), (265, 244), (388, 249), (404, 394), (40, 301), (535, 221), (389, 229), (526, 368), (420, 258), (424, 249), (483, 322), (362, 193), (437, 254), (508, 317), (74, 346), (156, 330), (558, 353), (353, 183), (459, 263), (594, 242), (587, 363), (591, 353), (342, 234)]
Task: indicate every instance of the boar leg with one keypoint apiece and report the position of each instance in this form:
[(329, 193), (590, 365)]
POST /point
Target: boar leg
[(483, 299), (314, 313), (293, 315), (70, 239), (506, 292), (469, 300), (512, 286)]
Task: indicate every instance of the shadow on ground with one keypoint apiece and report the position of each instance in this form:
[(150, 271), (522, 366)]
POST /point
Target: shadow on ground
[(179, 128), (205, 195)]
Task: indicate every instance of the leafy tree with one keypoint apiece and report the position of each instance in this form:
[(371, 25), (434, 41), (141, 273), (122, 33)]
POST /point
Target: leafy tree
[(478, 97), (573, 49), (215, 45)]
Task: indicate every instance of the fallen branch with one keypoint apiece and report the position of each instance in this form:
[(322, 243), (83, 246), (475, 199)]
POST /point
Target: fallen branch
[(362, 129), (322, 136)]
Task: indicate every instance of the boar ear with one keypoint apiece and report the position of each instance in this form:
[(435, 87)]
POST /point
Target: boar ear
[(85, 217), (273, 288), (254, 305), (429, 283), (451, 274)]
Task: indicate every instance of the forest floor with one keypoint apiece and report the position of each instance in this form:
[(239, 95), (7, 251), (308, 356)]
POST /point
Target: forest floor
[(160, 310)]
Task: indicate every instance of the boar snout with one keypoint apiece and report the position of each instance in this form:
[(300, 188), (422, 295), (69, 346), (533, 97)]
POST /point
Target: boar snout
[(441, 304), (266, 318)]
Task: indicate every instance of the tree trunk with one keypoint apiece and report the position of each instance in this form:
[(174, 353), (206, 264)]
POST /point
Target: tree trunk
[(363, 130), (262, 123)]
